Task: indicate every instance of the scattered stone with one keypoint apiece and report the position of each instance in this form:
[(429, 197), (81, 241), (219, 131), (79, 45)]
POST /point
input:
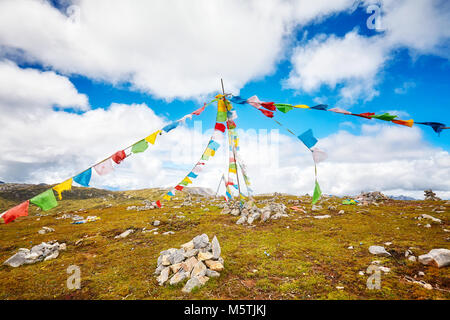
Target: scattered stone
[(156, 223), (426, 216), (341, 212), (168, 233), (326, 216), (124, 234), (45, 230), (437, 257), (41, 252), (379, 250), (350, 248)]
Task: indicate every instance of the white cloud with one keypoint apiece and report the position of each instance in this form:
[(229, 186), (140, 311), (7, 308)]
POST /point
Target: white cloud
[(354, 63), (167, 48), (405, 87), (33, 90)]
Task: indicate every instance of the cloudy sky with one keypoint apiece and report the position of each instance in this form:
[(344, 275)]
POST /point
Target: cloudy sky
[(82, 79)]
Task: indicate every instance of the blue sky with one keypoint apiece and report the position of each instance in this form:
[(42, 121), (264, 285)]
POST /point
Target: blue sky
[(168, 59)]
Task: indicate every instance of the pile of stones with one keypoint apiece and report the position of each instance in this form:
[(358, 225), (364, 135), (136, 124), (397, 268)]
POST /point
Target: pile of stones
[(148, 205), (250, 213), (430, 195), (41, 252), (366, 198), (197, 260)]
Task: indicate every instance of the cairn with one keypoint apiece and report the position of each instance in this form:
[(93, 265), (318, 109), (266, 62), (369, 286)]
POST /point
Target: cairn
[(366, 198), (430, 195), (250, 213)]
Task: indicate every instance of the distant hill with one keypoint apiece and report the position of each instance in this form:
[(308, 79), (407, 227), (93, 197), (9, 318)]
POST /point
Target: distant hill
[(401, 197)]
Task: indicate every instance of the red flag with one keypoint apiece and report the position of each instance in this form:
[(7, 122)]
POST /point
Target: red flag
[(267, 113), (158, 203), (18, 211), (231, 124), (179, 188), (220, 127), (118, 156), (199, 111), (269, 106), (366, 115)]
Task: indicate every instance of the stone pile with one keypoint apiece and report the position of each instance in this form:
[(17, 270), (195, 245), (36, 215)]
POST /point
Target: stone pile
[(41, 252), (147, 206), (74, 217), (430, 195), (197, 260), (366, 198), (250, 213)]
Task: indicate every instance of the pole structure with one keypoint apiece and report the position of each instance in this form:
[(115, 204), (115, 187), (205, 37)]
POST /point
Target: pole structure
[(232, 144), (220, 182)]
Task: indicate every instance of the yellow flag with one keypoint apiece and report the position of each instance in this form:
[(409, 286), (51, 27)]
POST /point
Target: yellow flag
[(187, 180), (210, 152), (152, 138), (232, 170), (301, 106), (63, 186), (221, 106), (167, 197)]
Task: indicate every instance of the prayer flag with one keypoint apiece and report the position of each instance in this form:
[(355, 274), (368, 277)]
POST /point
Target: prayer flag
[(46, 200), (192, 175), (213, 145), (384, 116), (103, 168), (320, 107), (308, 138), (170, 126), (317, 193), (63, 186), (302, 106), (179, 188), (152, 138), (119, 156), (267, 113), (318, 155), (84, 178), (367, 115), (269, 106), (199, 111), (339, 110), (408, 123), (220, 127), (437, 127), (20, 210), (140, 146), (238, 100), (158, 203), (284, 108)]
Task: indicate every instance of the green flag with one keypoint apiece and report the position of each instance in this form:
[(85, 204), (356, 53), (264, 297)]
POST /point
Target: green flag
[(221, 116), (284, 108), (140, 146), (384, 116), (46, 200), (317, 193)]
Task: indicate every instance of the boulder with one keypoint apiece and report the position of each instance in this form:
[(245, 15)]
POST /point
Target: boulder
[(379, 251), (437, 257), (189, 264), (204, 256), (216, 250), (178, 277), (192, 283), (163, 276), (214, 265), (199, 269), (201, 241)]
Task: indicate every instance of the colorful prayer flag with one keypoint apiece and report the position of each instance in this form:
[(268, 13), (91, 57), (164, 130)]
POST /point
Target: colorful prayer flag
[(103, 168), (46, 200), (323, 107), (220, 127), (308, 138), (152, 138), (170, 126), (84, 178), (199, 111), (63, 186), (384, 116), (140, 146), (20, 210), (408, 123), (317, 193), (119, 156)]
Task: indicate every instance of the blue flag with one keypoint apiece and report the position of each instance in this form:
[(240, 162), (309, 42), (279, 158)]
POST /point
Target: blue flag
[(192, 175), (213, 145), (323, 107), (238, 100), (308, 139), (170, 126), (84, 178)]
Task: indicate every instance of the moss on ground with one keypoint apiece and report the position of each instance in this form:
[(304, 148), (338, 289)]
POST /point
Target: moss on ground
[(293, 258)]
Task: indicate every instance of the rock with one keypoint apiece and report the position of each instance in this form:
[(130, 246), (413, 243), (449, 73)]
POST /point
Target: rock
[(235, 212), (191, 253), (204, 256), (201, 241), (45, 230), (178, 277), (326, 216), (199, 269), (189, 264), (341, 212), (192, 283), (62, 247), (412, 258), (175, 267), (203, 279), (16, 260), (426, 216), (437, 257), (216, 250), (212, 274), (177, 256), (168, 233), (188, 246), (156, 223), (385, 269), (241, 220), (421, 273), (124, 234), (316, 208), (430, 195), (265, 215), (214, 265), (54, 255), (164, 275), (165, 261), (379, 251), (350, 248)]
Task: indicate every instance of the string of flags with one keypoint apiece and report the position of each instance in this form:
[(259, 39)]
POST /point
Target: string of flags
[(286, 107), (47, 200)]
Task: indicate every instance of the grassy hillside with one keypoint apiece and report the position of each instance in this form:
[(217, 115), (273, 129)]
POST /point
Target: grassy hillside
[(299, 257)]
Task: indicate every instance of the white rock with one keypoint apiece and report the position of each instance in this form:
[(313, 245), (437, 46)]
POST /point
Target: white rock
[(326, 216), (124, 234), (216, 250), (436, 257), (379, 251), (426, 216)]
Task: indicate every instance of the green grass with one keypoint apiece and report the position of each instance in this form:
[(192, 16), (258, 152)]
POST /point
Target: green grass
[(308, 260)]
